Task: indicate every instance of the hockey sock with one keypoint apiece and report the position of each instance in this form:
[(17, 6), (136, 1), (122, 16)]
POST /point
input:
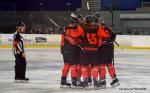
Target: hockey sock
[(73, 71), (79, 73), (84, 70), (111, 70), (65, 70), (89, 71), (102, 71), (95, 72)]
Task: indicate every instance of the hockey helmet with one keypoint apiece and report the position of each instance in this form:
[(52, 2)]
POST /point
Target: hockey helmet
[(74, 20), (89, 19)]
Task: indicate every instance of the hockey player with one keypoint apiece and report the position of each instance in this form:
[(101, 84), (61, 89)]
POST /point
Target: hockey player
[(80, 19), (70, 51), (90, 39), (82, 23), (106, 55), (79, 73), (19, 53), (66, 67), (98, 19)]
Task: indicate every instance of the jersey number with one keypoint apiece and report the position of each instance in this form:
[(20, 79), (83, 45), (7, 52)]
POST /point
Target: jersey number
[(92, 38)]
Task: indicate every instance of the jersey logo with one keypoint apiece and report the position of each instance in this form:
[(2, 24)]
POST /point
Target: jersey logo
[(92, 38)]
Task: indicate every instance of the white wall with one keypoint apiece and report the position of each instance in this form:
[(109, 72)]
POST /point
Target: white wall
[(141, 41), (30, 39), (123, 40)]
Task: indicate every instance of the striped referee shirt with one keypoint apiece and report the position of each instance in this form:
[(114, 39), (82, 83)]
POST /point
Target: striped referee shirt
[(18, 46)]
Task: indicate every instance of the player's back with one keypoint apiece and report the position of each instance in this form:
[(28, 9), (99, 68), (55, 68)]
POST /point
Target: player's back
[(90, 38)]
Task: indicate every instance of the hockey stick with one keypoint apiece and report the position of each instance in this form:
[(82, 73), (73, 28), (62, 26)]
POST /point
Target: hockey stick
[(116, 43), (46, 15), (80, 46), (60, 28), (52, 21), (113, 60), (73, 15), (88, 5)]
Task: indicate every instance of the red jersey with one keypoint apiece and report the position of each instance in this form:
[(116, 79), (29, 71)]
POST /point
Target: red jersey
[(91, 36)]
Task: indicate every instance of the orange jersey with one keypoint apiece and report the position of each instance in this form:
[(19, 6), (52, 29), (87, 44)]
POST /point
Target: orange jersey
[(68, 36), (94, 37), (73, 40), (102, 34)]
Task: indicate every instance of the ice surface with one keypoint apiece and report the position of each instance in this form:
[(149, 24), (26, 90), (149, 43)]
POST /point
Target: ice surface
[(44, 70)]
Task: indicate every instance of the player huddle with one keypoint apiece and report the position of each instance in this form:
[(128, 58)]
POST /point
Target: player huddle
[(87, 49)]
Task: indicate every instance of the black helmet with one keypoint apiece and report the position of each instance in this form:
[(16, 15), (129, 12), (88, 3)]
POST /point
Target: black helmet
[(74, 20), (79, 16), (89, 19)]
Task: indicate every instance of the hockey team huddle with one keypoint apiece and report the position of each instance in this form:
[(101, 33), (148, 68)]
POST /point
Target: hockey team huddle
[(87, 48)]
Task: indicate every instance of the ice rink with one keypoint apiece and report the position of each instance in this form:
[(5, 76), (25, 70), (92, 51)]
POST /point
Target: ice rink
[(44, 70)]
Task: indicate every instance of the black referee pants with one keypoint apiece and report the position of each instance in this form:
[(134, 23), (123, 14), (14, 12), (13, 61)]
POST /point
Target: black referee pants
[(20, 66)]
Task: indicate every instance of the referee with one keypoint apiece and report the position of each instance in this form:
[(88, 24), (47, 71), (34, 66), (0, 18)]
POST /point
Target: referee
[(19, 53)]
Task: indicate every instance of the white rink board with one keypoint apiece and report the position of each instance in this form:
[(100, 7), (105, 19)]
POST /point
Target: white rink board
[(30, 39), (141, 41), (124, 40)]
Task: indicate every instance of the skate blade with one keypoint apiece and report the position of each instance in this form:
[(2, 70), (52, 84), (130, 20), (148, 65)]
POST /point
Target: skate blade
[(76, 87), (64, 86), (21, 81), (96, 88), (115, 85), (88, 87), (102, 87), (90, 84)]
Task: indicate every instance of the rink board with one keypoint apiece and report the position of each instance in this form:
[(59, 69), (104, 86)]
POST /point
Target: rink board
[(48, 41)]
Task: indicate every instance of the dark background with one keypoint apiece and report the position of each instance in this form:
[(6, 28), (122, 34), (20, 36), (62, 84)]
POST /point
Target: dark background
[(65, 5), (30, 12), (34, 5)]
